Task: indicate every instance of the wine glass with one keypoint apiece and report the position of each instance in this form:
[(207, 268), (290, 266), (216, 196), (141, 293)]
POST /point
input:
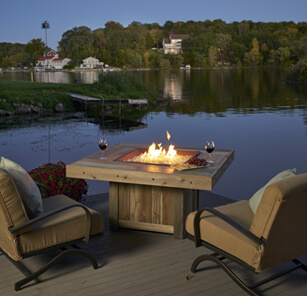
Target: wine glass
[(209, 147), (103, 144)]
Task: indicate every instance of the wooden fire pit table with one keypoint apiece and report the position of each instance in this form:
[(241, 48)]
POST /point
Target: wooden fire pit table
[(149, 196)]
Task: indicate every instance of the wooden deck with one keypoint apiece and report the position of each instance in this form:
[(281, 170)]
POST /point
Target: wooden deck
[(141, 263)]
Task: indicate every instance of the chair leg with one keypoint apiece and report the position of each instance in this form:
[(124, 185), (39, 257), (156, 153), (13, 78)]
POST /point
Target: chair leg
[(217, 259), (33, 276), (202, 258), (301, 264)]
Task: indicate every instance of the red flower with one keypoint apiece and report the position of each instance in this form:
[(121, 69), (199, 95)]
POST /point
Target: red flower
[(53, 177)]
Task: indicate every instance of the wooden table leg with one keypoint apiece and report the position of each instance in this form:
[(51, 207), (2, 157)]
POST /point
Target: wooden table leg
[(113, 205), (182, 201), (185, 201)]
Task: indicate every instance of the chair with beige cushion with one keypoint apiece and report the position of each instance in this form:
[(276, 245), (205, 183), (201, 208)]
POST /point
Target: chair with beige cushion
[(275, 234), (63, 223)]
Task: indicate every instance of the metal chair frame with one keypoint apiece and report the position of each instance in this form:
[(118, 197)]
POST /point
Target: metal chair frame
[(219, 255), (64, 251)]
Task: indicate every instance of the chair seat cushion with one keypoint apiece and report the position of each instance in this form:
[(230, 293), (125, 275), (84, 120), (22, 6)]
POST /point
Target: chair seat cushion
[(61, 228), (220, 234)]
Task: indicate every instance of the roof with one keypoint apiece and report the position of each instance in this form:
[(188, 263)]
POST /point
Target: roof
[(45, 58), (166, 40), (90, 58)]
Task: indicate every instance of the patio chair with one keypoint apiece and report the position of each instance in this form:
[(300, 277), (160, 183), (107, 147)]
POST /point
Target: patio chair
[(275, 234), (63, 223)]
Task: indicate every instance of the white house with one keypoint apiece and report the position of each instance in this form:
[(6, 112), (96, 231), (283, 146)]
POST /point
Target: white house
[(91, 63), (51, 60), (172, 45)]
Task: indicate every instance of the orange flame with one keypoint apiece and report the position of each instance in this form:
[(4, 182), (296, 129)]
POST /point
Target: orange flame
[(168, 135), (158, 155)]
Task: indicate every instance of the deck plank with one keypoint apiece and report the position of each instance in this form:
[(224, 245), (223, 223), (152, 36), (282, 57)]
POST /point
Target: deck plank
[(140, 263)]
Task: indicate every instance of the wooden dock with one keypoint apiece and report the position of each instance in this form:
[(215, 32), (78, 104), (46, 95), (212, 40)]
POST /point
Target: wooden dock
[(87, 99), (141, 263)]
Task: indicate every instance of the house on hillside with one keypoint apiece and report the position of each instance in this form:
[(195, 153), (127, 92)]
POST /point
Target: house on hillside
[(91, 63), (51, 60), (172, 45)]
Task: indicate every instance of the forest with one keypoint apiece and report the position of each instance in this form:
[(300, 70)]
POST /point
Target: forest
[(211, 44)]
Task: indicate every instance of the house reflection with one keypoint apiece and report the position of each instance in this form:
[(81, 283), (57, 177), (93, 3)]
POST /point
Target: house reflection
[(172, 86), (87, 77)]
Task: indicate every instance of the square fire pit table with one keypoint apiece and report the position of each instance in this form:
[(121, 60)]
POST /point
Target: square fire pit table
[(151, 197)]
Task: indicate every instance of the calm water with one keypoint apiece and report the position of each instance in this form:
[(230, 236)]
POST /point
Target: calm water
[(251, 111)]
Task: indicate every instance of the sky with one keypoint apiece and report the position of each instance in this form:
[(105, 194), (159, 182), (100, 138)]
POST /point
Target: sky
[(21, 20)]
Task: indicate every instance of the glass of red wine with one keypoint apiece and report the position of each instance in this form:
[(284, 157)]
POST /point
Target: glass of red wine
[(103, 144), (209, 147)]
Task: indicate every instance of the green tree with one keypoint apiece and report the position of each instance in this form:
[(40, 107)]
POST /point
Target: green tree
[(34, 50), (213, 55), (99, 44), (273, 57), (284, 56), (223, 42), (77, 44), (164, 63)]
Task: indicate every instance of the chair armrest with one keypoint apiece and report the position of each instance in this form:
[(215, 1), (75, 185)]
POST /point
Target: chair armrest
[(228, 220), (44, 216), (41, 186)]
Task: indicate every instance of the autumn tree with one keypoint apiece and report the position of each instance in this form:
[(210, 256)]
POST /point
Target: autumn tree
[(253, 57)]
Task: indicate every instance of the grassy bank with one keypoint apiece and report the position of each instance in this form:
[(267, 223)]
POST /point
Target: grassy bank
[(109, 86)]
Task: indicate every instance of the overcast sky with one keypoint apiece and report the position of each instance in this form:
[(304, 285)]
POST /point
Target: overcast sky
[(21, 20)]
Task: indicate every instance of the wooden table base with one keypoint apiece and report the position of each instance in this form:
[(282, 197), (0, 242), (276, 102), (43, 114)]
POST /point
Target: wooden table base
[(152, 208)]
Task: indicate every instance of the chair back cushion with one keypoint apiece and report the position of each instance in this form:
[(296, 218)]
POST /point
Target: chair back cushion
[(12, 213), (281, 219), (256, 198), (27, 188)]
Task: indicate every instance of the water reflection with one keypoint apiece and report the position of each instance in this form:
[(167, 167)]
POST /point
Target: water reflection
[(87, 77), (52, 77), (251, 111)]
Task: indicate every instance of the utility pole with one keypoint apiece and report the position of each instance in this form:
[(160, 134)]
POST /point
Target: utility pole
[(45, 25)]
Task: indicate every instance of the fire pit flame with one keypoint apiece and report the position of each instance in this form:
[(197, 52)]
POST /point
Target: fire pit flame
[(158, 155)]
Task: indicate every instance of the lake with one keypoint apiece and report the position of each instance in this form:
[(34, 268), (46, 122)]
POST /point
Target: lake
[(249, 110)]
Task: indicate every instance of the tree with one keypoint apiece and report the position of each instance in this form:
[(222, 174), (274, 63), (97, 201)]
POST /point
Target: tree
[(253, 57), (77, 44), (113, 26), (213, 55), (146, 59), (223, 41), (273, 57), (99, 44), (164, 64), (157, 36), (284, 56), (243, 28), (34, 50)]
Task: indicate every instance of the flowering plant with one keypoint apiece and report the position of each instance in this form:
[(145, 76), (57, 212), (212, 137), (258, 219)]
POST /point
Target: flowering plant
[(53, 177)]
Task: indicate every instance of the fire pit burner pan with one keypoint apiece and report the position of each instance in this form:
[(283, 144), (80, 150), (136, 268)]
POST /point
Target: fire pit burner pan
[(128, 157)]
